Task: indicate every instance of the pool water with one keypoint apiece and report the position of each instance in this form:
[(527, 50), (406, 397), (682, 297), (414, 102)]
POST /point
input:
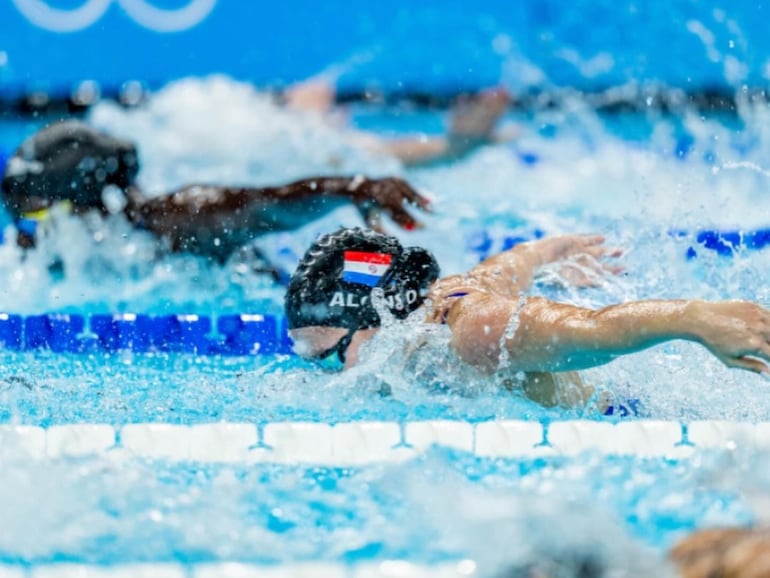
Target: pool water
[(101, 512), (636, 179)]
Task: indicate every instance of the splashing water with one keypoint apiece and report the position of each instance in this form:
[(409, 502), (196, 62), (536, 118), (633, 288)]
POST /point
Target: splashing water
[(591, 173), (635, 179), (105, 511)]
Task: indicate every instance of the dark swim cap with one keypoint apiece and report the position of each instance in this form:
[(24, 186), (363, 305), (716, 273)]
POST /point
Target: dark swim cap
[(67, 161), (333, 283)]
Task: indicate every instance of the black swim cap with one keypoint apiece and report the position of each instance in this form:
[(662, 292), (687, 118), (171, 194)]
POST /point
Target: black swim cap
[(67, 161), (333, 283)]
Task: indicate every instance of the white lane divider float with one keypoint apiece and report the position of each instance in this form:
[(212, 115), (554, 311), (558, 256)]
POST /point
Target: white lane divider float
[(385, 569), (369, 442)]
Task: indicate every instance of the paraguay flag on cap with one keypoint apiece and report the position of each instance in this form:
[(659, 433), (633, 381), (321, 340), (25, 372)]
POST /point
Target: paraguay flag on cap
[(365, 268)]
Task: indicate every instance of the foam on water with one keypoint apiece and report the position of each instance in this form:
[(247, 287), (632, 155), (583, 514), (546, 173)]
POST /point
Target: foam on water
[(218, 131), (102, 511)]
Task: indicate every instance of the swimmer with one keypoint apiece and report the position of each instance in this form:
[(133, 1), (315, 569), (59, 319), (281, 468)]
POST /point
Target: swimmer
[(72, 165), (473, 122), (724, 553), (537, 344)]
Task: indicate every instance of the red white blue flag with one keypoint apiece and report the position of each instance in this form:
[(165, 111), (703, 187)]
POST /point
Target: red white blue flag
[(365, 268)]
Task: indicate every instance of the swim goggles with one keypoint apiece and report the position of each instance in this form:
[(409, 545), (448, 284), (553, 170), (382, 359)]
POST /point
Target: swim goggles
[(28, 223), (334, 356)]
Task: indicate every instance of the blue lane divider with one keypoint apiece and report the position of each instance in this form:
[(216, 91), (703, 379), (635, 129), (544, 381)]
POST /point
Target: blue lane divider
[(629, 407), (123, 331), (724, 243), (239, 334), (55, 332), (11, 331), (181, 333), (728, 242), (249, 334)]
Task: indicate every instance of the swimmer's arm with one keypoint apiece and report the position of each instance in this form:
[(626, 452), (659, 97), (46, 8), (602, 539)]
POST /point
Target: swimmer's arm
[(559, 337), (286, 207), (472, 126), (294, 205), (509, 273), (306, 200), (243, 210), (418, 150)]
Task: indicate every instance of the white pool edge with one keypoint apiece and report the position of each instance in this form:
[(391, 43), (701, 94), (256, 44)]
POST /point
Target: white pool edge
[(370, 442)]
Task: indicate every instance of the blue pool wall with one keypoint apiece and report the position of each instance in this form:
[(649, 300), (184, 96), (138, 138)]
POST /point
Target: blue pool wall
[(430, 45)]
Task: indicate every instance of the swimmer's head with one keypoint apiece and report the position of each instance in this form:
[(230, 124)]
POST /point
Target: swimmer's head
[(103, 159), (68, 160), (334, 281)]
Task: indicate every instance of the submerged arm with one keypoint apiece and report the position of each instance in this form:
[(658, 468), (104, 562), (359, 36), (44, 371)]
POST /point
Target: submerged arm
[(540, 335)]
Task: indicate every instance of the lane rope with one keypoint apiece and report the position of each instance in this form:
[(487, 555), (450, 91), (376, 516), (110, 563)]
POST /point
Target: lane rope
[(359, 443), (237, 334)]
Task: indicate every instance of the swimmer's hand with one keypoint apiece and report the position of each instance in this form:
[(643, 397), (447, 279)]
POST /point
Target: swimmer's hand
[(563, 247), (736, 332), (511, 272), (579, 260), (387, 195)]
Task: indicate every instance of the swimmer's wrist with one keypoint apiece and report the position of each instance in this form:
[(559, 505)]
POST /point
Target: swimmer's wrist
[(692, 319), (530, 251)]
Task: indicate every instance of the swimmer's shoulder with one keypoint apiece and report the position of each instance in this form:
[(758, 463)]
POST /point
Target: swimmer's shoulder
[(448, 295)]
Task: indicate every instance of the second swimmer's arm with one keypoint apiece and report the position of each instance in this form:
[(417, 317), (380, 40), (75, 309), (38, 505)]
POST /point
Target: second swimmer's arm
[(296, 204), (271, 209), (308, 199), (540, 335)]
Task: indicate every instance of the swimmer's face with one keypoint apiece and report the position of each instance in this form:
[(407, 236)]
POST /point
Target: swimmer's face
[(312, 342)]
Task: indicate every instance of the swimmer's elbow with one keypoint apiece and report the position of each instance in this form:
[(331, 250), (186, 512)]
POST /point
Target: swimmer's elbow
[(479, 327), (484, 356)]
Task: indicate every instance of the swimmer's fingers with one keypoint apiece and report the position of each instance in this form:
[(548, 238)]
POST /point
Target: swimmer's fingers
[(403, 219), (569, 246), (593, 269), (594, 242), (752, 358), (400, 194), (420, 201), (408, 194), (749, 363), (372, 216), (606, 252), (596, 261), (763, 350), (594, 245), (611, 268), (591, 239), (390, 195)]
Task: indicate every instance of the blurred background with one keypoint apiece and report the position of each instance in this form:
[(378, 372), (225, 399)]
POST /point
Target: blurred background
[(391, 48)]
